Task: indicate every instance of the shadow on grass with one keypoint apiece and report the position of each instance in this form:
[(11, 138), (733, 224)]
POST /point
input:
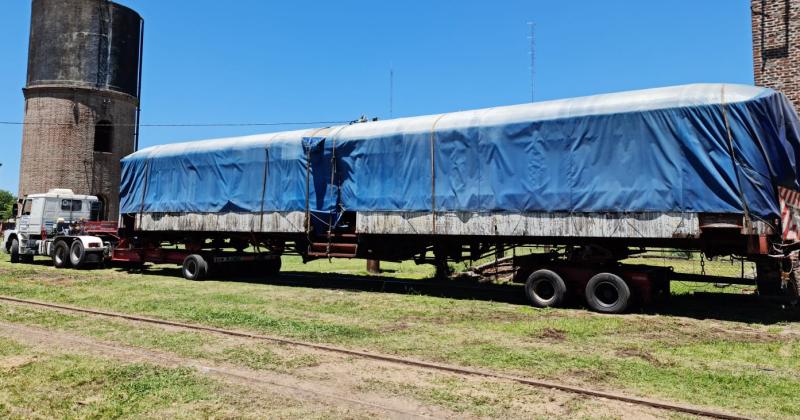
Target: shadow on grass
[(716, 306), (748, 308)]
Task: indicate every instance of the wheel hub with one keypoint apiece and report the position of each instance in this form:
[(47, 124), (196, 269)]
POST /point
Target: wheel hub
[(607, 294)]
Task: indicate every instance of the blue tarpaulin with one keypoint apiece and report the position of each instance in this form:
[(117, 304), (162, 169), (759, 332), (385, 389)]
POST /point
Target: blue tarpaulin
[(694, 148)]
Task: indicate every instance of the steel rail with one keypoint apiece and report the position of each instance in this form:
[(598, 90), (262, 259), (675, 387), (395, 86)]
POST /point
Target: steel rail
[(398, 360)]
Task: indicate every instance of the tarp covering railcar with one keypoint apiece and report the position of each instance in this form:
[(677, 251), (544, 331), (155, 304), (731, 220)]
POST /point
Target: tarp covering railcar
[(667, 152)]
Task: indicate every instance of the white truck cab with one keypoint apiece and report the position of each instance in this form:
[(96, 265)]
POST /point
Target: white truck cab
[(46, 223)]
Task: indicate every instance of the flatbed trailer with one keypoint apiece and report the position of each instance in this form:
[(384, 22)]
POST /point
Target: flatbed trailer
[(705, 168)]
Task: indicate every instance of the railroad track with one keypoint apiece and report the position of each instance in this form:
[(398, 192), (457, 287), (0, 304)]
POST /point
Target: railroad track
[(394, 359)]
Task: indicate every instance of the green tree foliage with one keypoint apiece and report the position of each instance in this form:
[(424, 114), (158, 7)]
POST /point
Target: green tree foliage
[(6, 201)]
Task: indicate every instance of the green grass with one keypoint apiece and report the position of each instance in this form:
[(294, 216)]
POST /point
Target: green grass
[(186, 344), (743, 359), (405, 269), (39, 384)]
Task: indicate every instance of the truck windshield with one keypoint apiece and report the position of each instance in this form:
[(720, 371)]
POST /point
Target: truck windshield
[(71, 205)]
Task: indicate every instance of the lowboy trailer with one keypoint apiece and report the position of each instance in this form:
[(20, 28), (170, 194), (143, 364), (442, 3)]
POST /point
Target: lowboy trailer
[(708, 168)]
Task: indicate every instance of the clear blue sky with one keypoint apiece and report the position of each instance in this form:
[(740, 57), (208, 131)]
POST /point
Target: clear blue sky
[(264, 61)]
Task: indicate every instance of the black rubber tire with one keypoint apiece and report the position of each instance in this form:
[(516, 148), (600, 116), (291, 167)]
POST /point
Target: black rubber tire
[(273, 268), (194, 267), (768, 277), (14, 251), (608, 293), (61, 255), (77, 254), (546, 289)]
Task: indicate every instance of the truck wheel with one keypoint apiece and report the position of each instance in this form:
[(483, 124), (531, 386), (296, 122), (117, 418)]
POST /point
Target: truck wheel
[(14, 251), (768, 277), (273, 268), (608, 293), (545, 289), (61, 255), (77, 254), (195, 267)]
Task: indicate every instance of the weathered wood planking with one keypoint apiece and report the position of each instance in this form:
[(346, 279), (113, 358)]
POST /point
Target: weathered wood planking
[(278, 222), (601, 225)]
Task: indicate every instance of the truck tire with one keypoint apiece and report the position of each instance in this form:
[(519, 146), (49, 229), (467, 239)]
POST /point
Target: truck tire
[(77, 254), (195, 267), (608, 293), (768, 277), (61, 255), (545, 289), (273, 268), (14, 251)]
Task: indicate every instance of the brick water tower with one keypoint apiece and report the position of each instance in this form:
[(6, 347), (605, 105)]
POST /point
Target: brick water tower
[(776, 46), (81, 97)]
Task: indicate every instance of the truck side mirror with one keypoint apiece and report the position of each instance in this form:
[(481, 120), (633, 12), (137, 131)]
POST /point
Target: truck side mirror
[(14, 210)]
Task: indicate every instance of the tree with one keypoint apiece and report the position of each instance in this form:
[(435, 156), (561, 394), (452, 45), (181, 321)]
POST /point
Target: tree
[(6, 202)]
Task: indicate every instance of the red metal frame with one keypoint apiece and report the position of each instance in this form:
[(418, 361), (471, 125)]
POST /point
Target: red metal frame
[(123, 253), (100, 228)]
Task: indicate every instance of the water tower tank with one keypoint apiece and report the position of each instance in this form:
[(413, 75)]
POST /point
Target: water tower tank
[(81, 97)]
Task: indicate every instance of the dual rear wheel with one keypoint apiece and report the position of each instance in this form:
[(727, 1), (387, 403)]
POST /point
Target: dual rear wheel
[(605, 292), (73, 254)]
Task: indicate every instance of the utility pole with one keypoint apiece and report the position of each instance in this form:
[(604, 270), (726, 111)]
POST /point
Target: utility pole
[(532, 53)]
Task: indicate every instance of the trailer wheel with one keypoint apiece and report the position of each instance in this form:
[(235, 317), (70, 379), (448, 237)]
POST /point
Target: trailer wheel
[(61, 255), (273, 268), (14, 251), (545, 289), (195, 267), (77, 254), (608, 293)]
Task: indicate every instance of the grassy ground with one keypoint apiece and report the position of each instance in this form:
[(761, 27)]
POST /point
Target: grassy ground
[(37, 384), (730, 353)]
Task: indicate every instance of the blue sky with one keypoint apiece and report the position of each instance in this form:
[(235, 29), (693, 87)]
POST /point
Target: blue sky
[(256, 61)]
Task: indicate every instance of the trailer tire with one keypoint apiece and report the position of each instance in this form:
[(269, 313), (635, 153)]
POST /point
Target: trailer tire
[(77, 254), (545, 289), (273, 267), (61, 255), (14, 251), (608, 293), (768, 277), (194, 267)]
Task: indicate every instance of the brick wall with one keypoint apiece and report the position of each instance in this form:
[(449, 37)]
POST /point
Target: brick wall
[(58, 142), (776, 46)]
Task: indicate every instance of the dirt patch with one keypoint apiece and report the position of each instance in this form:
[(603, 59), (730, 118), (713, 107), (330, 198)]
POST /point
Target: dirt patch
[(395, 327), (55, 280), (580, 377), (553, 334), (676, 332), (641, 354), (15, 362)]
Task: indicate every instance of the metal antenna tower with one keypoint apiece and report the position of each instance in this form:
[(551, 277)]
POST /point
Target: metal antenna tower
[(391, 91), (532, 53)]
